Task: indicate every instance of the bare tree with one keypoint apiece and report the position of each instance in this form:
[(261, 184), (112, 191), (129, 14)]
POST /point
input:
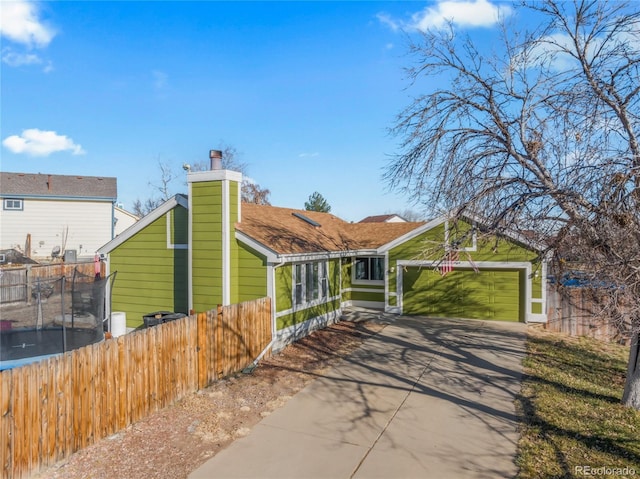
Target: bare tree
[(141, 209), (254, 193), (539, 135), (164, 188)]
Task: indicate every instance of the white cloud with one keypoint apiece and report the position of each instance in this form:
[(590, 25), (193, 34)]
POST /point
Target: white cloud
[(37, 142), (553, 51), (476, 13), (309, 155), (14, 59), (386, 19), (20, 23), (462, 13)]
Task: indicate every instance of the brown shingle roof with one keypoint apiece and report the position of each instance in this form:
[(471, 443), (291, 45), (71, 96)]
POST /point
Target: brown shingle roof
[(279, 230), (68, 186)]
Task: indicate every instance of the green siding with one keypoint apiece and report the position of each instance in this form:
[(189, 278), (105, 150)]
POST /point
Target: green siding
[(306, 314), (207, 265), (463, 293), (234, 252), (151, 277), (252, 274), (367, 296), (284, 292), (179, 226), (206, 227), (346, 265), (429, 246)]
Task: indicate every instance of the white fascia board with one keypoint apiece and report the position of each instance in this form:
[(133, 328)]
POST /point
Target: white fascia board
[(272, 256), (411, 234), (507, 233), (214, 175), (471, 218), (144, 222), (467, 264), (299, 257)]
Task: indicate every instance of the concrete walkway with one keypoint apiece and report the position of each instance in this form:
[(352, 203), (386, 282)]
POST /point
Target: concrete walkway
[(425, 398)]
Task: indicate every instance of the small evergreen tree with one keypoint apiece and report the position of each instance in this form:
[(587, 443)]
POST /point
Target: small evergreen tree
[(317, 202)]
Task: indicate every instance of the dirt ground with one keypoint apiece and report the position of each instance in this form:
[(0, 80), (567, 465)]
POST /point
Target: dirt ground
[(175, 441)]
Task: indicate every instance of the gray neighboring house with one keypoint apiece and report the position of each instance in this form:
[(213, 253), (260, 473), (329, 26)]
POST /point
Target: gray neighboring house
[(56, 213)]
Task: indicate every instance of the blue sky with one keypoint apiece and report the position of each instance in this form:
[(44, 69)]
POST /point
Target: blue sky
[(305, 91)]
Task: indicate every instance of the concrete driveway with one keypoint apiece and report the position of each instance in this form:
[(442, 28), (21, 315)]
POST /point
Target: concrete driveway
[(425, 398)]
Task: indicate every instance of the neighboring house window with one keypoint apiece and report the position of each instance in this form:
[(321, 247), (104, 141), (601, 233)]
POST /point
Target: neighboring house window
[(310, 282), (13, 204), (369, 269)]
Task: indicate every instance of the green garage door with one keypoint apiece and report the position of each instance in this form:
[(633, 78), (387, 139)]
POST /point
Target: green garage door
[(463, 293)]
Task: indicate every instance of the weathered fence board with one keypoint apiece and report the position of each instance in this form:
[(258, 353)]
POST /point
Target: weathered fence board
[(583, 312), (15, 283), (53, 408)]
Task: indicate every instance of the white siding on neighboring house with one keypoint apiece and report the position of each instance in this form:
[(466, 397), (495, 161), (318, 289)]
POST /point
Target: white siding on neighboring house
[(86, 224), (123, 219)]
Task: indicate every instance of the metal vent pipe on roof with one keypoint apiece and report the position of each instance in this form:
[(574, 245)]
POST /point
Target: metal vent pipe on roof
[(216, 159)]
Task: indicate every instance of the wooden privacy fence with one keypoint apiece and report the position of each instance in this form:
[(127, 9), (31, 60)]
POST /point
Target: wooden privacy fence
[(582, 312), (53, 408), (16, 283)]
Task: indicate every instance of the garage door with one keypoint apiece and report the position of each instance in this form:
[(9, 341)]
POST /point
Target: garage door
[(463, 293)]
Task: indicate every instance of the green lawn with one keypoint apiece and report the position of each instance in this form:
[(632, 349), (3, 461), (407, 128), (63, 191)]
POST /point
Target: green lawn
[(573, 424)]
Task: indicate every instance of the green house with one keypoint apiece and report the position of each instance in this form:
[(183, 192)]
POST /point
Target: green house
[(193, 253)]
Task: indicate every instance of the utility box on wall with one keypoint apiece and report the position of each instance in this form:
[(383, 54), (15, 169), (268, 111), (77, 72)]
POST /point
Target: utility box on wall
[(71, 256)]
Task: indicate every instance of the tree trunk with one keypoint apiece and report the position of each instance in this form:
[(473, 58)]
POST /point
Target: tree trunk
[(631, 395)]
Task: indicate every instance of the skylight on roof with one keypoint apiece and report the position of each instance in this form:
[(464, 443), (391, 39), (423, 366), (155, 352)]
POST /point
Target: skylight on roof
[(308, 220)]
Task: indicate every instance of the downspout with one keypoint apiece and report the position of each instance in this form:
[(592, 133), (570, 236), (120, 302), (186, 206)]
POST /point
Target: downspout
[(249, 369)]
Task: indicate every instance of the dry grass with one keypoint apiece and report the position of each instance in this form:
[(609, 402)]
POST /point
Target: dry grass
[(573, 421)]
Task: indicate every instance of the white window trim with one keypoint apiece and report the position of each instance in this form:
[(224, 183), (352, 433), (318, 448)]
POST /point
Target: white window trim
[(378, 282), (171, 245), (474, 239), (321, 299), (6, 208)]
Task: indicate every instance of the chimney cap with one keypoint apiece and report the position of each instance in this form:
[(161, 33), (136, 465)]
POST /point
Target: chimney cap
[(215, 154)]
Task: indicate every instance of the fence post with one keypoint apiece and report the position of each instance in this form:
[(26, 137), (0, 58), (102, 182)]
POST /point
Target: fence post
[(27, 292), (203, 350), (219, 348)]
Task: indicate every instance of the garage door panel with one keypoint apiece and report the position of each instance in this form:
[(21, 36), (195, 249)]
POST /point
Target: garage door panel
[(489, 294)]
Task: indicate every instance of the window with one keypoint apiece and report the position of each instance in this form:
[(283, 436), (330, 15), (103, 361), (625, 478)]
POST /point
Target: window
[(369, 269), (13, 204), (310, 282)]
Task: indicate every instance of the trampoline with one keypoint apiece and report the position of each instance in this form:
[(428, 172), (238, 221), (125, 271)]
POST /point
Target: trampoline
[(23, 346), (56, 321)]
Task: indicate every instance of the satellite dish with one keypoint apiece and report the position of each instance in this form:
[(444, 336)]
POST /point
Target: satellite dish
[(55, 252)]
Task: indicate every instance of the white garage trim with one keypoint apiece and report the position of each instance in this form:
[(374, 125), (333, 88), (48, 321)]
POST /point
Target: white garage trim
[(482, 265)]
